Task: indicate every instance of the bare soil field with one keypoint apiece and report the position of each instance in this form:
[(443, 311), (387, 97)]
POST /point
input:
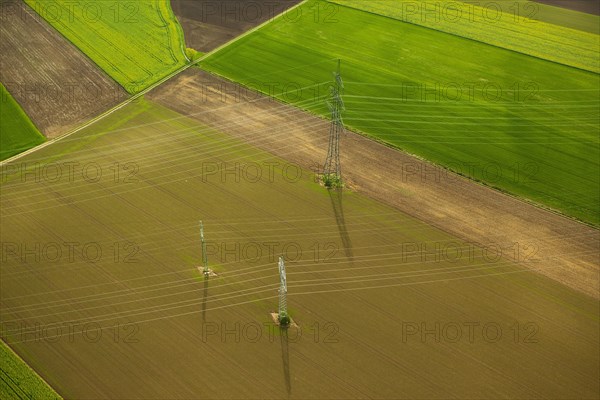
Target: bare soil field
[(101, 295), (57, 86), (587, 6), (555, 246), (208, 24)]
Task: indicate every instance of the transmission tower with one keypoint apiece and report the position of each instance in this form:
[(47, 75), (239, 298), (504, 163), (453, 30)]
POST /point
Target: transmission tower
[(205, 270), (283, 315), (333, 169)]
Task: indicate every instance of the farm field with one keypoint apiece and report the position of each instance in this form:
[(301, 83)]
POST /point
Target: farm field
[(575, 14), (207, 25), (586, 6), (143, 178), (511, 29), (581, 15), (27, 383), (432, 194), (459, 260), (135, 43), (55, 84), (531, 124), (18, 133)]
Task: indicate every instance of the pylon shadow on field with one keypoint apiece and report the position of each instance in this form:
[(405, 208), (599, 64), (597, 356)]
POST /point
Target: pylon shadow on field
[(336, 196), (205, 295), (285, 357)]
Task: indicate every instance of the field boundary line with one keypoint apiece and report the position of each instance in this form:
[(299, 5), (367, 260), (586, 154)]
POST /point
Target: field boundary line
[(463, 37), (143, 92), (33, 371), (248, 32)]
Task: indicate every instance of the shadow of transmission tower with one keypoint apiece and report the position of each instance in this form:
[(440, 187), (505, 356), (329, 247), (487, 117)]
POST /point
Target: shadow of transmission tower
[(336, 196), (285, 357), (204, 300)]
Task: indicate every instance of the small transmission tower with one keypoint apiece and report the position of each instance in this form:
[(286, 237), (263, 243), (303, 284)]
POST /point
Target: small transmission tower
[(205, 270), (282, 317), (333, 170)]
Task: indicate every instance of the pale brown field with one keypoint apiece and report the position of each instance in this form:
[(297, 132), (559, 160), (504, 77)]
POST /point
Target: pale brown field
[(137, 321), (555, 246), (153, 328)]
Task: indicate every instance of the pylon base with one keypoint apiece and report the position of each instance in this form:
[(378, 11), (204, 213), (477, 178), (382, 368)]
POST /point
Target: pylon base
[(210, 272), (275, 318)]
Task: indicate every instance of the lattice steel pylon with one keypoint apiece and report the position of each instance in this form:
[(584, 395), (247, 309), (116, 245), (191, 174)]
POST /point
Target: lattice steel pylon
[(333, 168), (205, 269), (283, 315)]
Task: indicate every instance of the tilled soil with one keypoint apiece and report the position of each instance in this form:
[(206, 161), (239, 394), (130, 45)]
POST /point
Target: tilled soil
[(209, 24), (556, 246), (587, 6), (56, 84)]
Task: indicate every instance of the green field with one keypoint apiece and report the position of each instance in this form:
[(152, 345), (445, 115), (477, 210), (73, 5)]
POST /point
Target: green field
[(494, 26), (17, 132), (518, 123), (18, 381), (546, 13), (551, 14), (355, 281), (136, 43)]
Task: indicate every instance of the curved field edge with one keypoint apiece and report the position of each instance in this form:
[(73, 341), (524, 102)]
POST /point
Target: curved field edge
[(541, 134), (551, 42), (135, 43), (18, 380), (17, 132), (174, 26)]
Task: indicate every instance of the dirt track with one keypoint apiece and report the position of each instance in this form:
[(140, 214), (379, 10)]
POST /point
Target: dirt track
[(209, 24), (557, 247), (57, 86)]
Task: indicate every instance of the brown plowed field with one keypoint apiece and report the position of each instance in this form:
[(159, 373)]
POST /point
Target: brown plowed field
[(587, 6), (56, 84), (557, 247), (209, 24)]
